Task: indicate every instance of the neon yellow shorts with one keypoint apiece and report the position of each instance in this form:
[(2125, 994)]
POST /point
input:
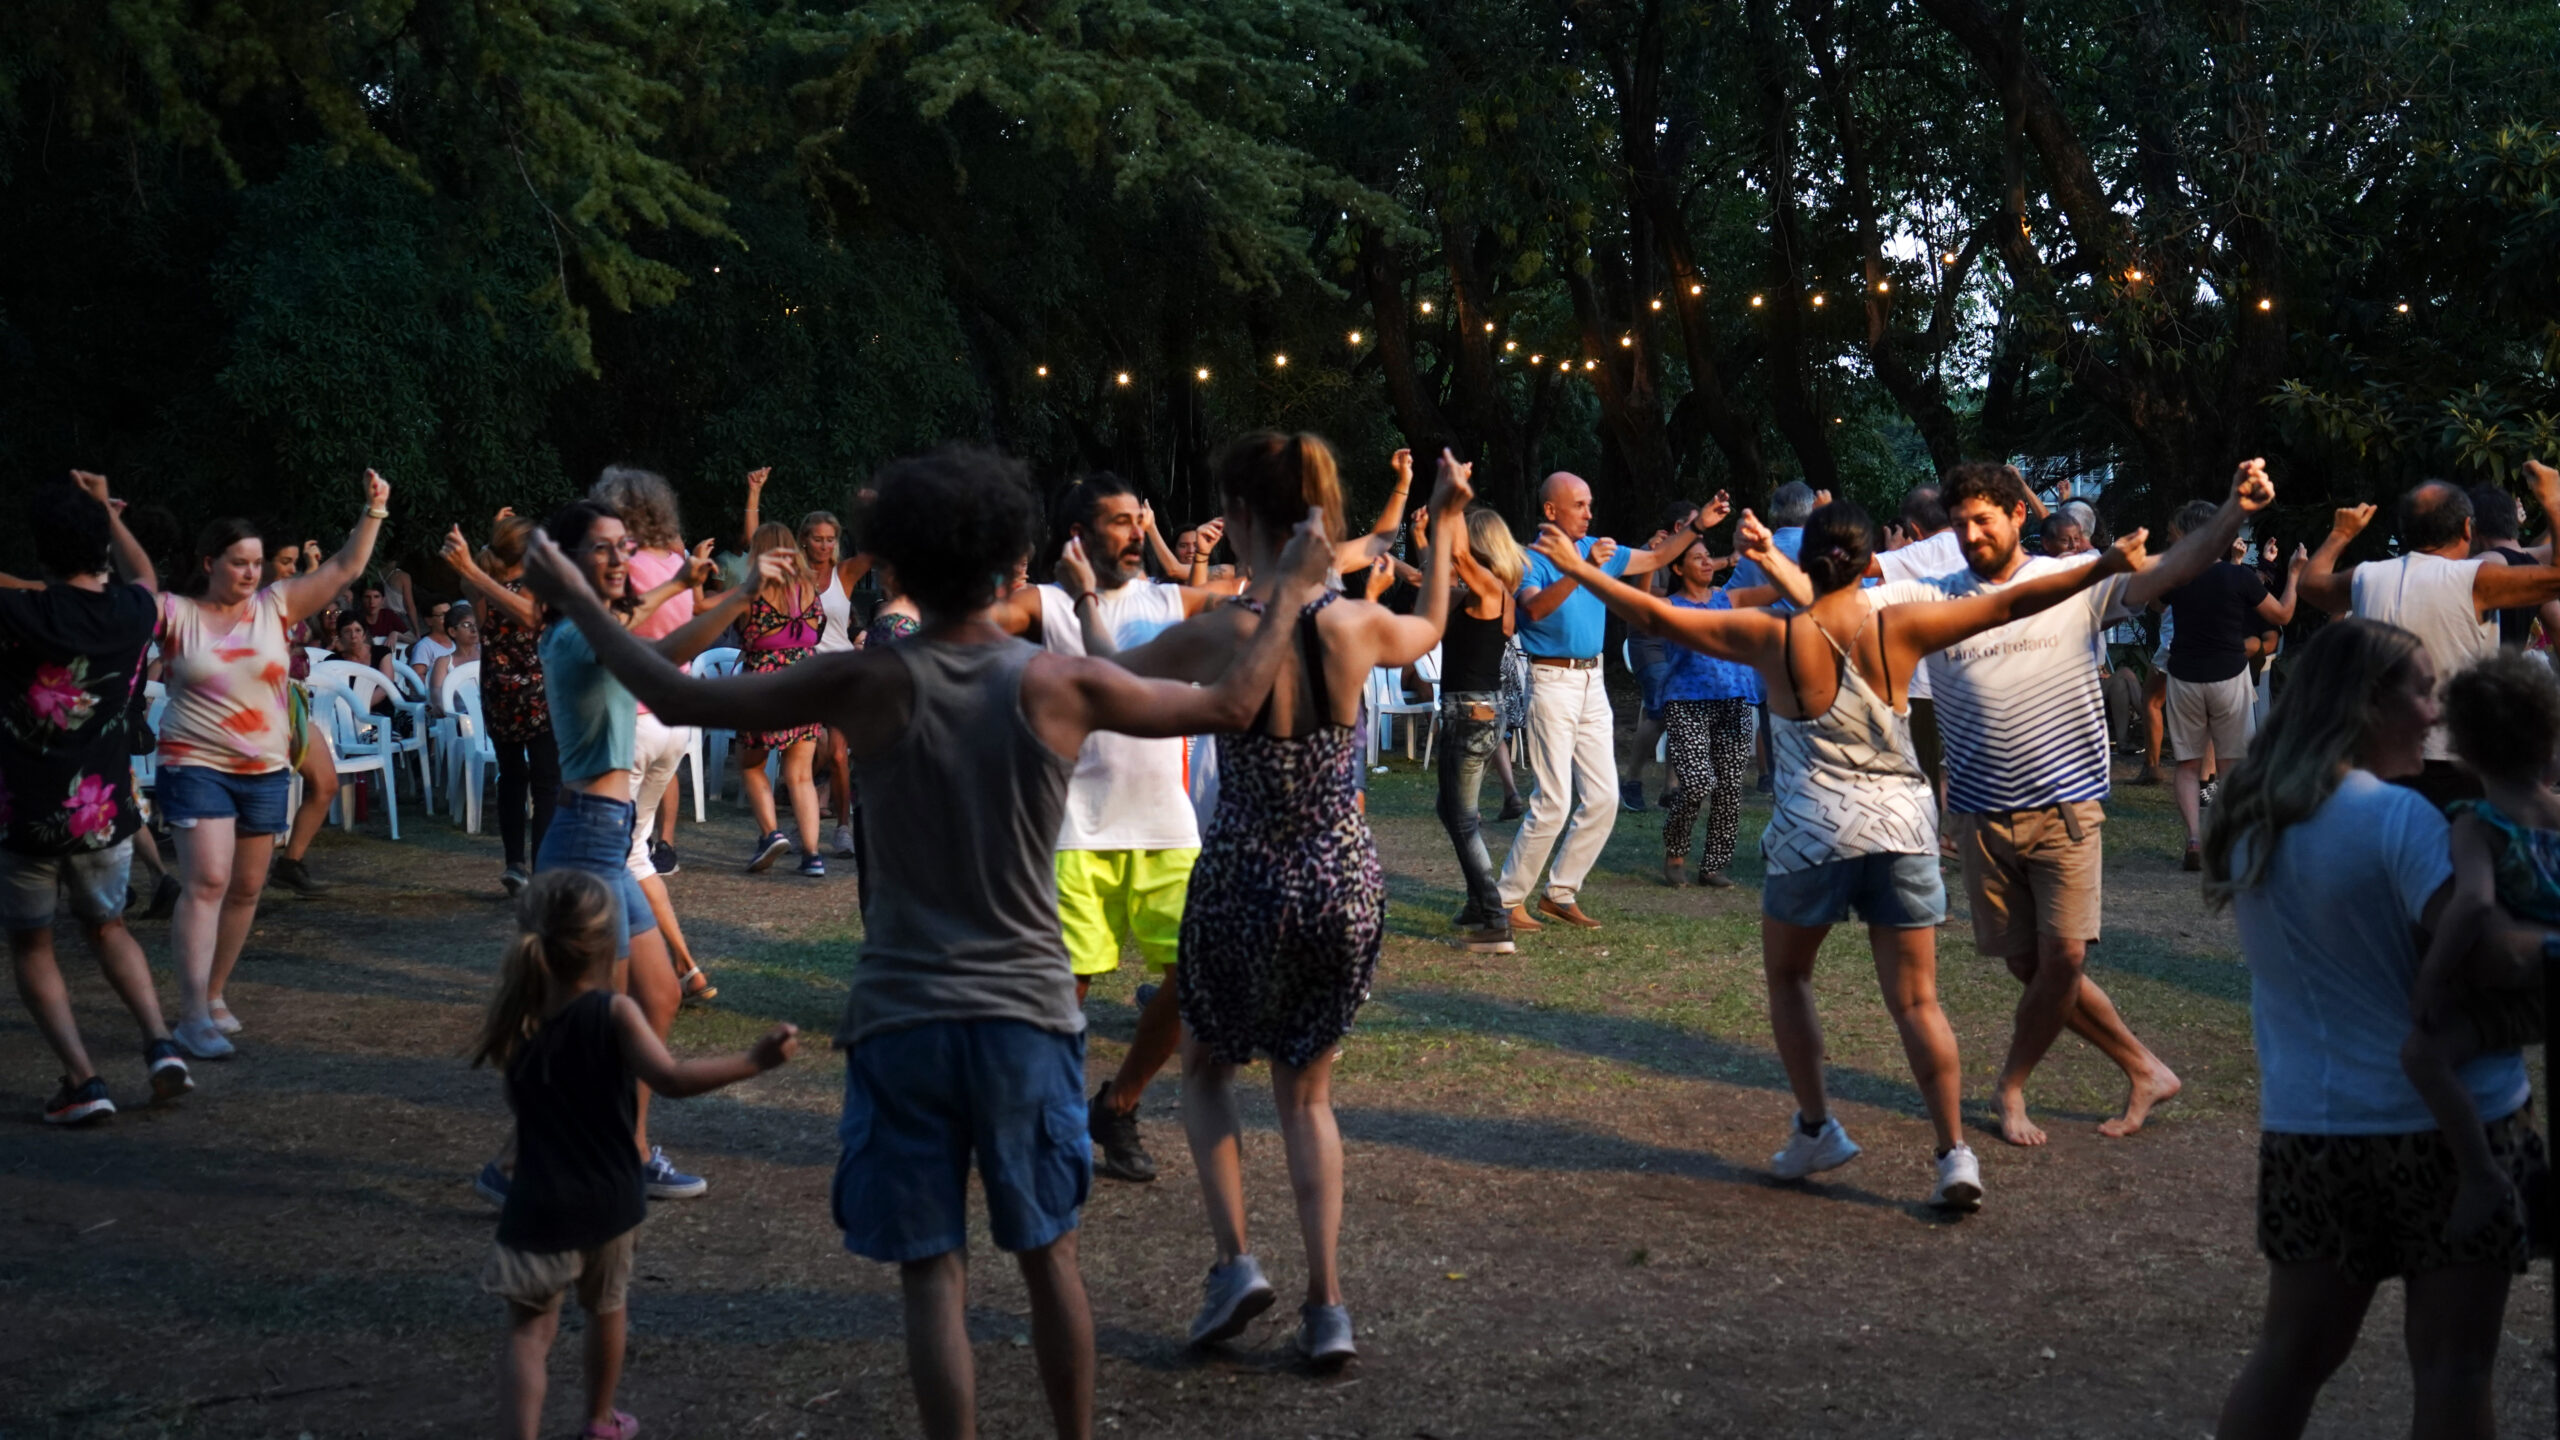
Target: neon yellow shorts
[(1108, 896)]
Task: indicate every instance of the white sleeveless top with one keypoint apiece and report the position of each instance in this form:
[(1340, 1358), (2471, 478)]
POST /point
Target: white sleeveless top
[(1127, 793), (838, 634), (2431, 598), (1848, 782)]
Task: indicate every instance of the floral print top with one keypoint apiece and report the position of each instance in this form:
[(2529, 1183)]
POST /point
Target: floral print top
[(511, 677), (226, 686), (70, 663)]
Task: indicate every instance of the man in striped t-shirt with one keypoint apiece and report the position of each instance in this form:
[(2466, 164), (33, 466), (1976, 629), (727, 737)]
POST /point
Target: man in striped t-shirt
[(2024, 723)]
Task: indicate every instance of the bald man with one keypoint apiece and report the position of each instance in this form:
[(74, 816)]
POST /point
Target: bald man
[(2439, 591), (1572, 734)]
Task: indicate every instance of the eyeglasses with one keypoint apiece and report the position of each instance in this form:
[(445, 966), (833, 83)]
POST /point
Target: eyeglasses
[(626, 545)]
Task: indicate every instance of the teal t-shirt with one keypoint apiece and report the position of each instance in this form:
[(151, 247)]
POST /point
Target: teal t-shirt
[(592, 715)]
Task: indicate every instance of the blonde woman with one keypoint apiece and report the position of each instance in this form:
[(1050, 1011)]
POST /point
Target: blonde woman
[(1488, 570), (782, 627)]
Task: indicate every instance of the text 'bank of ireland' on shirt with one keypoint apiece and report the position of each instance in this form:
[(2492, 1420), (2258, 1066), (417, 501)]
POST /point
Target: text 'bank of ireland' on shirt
[(1576, 629), (2019, 707), (1127, 793)]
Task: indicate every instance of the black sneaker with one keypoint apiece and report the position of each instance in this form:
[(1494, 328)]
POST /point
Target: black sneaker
[(813, 865), (513, 880), (291, 874), (1512, 809), (1124, 1156), (79, 1105), (768, 850), (164, 898), (662, 858), (169, 1076), (1630, 795), (2206, 792)]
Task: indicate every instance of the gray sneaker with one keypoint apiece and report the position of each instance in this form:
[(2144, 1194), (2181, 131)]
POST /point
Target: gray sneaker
[(1324, 1335), (1233, 1294)]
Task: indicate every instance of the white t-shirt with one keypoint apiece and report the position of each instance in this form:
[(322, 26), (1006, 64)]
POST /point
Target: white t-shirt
[(837, 606), (2019, 708), (1922, 559), (2431, 598), (1127, 793), (2331, 962), (428, 651)]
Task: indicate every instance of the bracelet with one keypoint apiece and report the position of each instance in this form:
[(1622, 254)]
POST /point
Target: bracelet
[(1084, 595), (375, 513)]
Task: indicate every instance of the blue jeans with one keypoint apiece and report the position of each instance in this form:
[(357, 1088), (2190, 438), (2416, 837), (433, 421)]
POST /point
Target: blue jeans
[(1470, 726), (255, 803), (593, 833)]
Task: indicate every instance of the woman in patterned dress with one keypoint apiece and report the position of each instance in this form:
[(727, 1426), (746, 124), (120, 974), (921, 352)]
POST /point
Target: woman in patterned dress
[(1854, 826), (511, 698), (781, 628), (1281, 934)]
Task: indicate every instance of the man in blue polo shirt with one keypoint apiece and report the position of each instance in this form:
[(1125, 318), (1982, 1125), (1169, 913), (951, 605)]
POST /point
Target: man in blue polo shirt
[(1572, 734)]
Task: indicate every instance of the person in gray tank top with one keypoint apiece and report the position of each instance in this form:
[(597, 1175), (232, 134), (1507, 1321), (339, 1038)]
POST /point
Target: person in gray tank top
[(962, 1037)]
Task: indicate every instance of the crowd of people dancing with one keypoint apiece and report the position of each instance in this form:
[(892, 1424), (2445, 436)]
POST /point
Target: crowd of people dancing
[(1145, 749)]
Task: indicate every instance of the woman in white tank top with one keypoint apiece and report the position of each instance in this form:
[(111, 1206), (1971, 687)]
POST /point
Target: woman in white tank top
[(1854, 827), (822, 541)]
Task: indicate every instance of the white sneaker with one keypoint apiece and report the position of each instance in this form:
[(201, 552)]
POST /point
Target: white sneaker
[(1826, 1149), (201, 1040), (844, 842), (1233, 1294), (1959, 1181)]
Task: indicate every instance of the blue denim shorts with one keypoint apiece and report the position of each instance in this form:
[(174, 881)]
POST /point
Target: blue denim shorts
[(920, 1101), (1902, 892), (94, 880), (1650, 681), (189, 793), (593, 833)]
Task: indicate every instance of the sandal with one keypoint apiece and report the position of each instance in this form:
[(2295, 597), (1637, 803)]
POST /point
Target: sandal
[(620, 1427), (696, 993)]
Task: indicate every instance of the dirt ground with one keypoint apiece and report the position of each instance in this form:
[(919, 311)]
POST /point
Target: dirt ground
[(1557, 1221)]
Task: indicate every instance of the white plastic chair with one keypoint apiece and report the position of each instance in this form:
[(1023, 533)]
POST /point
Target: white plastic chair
[(465, 746), (367, 684), (361, 743), (709, 754), (413, 688), (1386, 702), (146, 766)]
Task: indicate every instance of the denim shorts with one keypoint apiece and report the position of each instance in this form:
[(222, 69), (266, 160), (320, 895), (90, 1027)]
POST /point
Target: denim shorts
[(1650, 681), (920, 1101), (593, 833), (1901, 892), (189, 793), (94, 879)]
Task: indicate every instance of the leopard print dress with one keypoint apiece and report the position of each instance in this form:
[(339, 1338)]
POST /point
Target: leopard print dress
[(1287, 910)]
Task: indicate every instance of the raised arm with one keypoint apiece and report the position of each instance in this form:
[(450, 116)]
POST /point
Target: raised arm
[(2277, 610), (307, 593), (1669, 546), (514, 604), (1166, 560), (1075, 576), (1787, 580), (2327, 589), (2503, 587), (1402, 639), (1363, 552), (1068, 698), (130, 561), (755, 505), (1748, 636), (1203, 540), (2200, 547), (694, 636), (664, 1073), (1918, 628)]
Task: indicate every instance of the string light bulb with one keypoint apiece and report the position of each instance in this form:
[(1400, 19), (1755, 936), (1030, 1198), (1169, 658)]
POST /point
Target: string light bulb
[(1949, 257), (1355, 337), (1564, 365), (1280, 362), (1537, 359), (1590, 364), (1426, 307), (1755, 301), (1040, 370), (1884, 287), (1657, 302), (2133, 275), (1817, 302), (1510, 345), (2266, 304), (1122, 377), (715, 269), (1488, 327), (1202, 374), (1836, 420), (1626, 342), (2402, 307), (1697, 289)]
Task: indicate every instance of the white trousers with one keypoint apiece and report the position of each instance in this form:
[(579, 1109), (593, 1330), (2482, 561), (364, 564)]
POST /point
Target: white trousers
[(656, 751), (1573, 756)]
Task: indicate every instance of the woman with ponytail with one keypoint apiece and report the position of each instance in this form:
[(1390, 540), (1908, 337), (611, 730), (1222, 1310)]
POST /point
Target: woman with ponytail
[(574, 1051), (1854, 827)]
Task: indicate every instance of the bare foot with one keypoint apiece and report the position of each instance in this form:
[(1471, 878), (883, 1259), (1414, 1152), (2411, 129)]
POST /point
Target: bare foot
[(2479, 1201), (2015, 1127), (2155, 1088)]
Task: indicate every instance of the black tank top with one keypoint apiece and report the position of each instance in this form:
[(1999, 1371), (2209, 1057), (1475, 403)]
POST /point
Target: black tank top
[(2515, 626), (1470, 651), (577, 1182)]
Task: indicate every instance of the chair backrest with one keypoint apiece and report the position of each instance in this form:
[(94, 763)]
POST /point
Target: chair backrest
[(722, 660), (457, 677), (464, 700), (413, 686), (317, 653), (1428, 667), (338, 707), (364, 681)]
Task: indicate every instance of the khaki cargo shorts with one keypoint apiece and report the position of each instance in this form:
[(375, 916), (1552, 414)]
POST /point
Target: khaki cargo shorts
[(536, 1279), (2031, 872)]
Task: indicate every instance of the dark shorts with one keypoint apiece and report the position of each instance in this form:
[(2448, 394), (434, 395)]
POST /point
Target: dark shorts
[(1903, 892), (2376, 1205), (256, 803), (922, 1101), (593, 833), (1650, 681)]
